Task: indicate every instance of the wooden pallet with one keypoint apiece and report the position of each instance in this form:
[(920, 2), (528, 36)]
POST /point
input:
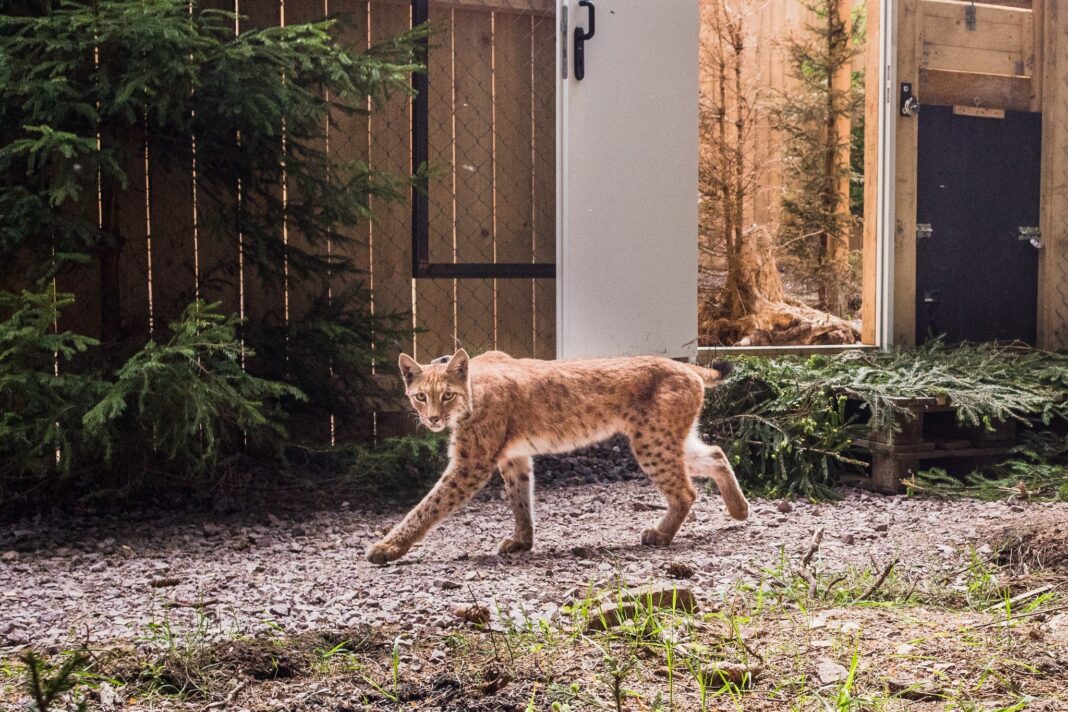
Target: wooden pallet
[(931, 434)]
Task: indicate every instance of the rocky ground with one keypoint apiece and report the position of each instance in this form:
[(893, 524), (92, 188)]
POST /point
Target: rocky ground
[(99, 578)]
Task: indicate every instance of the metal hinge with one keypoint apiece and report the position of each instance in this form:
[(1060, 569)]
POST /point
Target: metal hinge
[(923, 231), (1032, 235), (563, 44)]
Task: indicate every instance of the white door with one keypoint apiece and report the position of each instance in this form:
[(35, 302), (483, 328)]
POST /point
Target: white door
[(627, 180)]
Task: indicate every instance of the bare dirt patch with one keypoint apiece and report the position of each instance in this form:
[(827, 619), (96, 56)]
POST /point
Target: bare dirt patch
[(100, 579), (245, 601)]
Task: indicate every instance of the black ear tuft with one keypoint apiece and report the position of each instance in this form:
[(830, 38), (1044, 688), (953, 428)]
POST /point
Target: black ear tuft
[(724, 368)]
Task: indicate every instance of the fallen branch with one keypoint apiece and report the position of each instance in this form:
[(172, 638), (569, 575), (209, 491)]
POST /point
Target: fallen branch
[(229, 700), (877, 582), (817, 539), (1026, 595), (178, 603), (834, 582), (808, 576), (1009, 621), (802, 568)]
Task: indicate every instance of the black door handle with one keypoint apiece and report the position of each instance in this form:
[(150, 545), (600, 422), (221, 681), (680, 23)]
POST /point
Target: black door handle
[(580, 40)]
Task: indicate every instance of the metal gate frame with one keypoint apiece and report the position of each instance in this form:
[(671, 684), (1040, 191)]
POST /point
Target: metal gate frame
[(422, 267)]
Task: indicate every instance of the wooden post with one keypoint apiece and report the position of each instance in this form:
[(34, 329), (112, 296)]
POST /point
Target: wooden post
[(870, 247), (904, 284), (841, 83), (1053, 221)]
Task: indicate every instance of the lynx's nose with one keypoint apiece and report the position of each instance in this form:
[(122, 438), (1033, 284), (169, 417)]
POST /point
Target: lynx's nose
[(435, 419)]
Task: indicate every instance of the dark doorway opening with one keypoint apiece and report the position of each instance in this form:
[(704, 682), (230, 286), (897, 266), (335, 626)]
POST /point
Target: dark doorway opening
[(977, 216)]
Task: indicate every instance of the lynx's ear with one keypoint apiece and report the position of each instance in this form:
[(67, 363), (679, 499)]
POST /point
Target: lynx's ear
[(458, 365), (409, 368)]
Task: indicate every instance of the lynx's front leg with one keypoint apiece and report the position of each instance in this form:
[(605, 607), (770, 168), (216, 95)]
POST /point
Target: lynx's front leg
[(461, 480), (518, 476)]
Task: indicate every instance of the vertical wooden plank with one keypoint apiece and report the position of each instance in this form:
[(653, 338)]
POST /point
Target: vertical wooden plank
[(83, 281), (513, 168), (265, 291), (869, 286), (908, 69), (390, 150), (543, 67), (841, 83), (170, 176), (436, 298), (474, 174), (218, 241), (1038, 24), (135, 259), (349, 142), (390, 235), (303, 289), (1053, 258)]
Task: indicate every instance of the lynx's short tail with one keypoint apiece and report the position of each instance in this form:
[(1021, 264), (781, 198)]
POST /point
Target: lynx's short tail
[(712, 376), (704, 461)]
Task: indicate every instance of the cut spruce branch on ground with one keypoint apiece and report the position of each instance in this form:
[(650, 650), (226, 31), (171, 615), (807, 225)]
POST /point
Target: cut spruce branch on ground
[(788, 423)]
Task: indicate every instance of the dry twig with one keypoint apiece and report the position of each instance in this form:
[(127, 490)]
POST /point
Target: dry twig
[(803, 570), (877, 582)]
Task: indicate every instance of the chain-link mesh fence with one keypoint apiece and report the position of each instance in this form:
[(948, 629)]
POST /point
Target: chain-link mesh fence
[(490, 145)]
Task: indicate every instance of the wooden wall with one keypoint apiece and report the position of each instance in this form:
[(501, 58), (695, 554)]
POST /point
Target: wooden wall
[(1053, 221), (492, 154)]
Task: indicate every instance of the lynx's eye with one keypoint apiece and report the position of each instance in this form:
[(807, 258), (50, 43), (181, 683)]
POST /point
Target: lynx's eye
[(421, 397), (447, 396)]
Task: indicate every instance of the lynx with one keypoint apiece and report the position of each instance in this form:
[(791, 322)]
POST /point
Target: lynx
[(503, 410)]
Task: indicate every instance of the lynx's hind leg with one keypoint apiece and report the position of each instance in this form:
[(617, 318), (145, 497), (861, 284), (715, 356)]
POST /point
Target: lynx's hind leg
[(662, 460), (710, 461), (518, 476)]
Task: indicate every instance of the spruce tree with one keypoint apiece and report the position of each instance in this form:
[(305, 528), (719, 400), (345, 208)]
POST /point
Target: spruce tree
[(85, 85), (816, 212)]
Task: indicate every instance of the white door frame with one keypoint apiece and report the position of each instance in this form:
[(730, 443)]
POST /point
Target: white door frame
[(886, 176), (886, 219)]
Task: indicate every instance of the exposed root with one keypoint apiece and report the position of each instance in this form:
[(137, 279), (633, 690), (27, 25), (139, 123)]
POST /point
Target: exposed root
[(777, 324)]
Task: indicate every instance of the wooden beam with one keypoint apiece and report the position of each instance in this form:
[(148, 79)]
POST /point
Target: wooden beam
[(904, 287), (1053, 220), (984, 12), (947, 88), (1038, 24), (1006, 32), (1008, 63), (1001, 40), (545, 8), (841, 82)]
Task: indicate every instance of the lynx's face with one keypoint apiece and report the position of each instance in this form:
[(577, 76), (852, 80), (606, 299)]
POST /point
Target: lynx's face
[(439, 392)]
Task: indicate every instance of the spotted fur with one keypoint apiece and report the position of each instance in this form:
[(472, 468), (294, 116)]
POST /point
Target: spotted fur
[(502, 411)]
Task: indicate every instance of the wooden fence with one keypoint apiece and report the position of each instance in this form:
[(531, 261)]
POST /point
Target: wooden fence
[(492, 198)]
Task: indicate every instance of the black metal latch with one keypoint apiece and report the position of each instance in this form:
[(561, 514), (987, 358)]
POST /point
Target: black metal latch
[(580, 41)]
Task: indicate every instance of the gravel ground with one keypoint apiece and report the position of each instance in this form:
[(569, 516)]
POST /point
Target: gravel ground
[(100, 578)]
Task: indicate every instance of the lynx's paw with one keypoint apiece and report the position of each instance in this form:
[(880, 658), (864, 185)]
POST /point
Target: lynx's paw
[(653, 537), (514, 546), (383, 552)]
